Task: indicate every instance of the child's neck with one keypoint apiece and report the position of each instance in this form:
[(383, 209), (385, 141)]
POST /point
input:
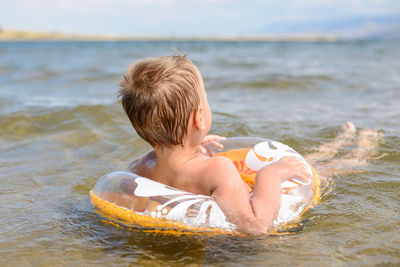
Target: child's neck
[(170, 157)]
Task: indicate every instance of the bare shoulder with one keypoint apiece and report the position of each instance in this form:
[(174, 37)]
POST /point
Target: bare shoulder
[(220, 164), (221, 171)]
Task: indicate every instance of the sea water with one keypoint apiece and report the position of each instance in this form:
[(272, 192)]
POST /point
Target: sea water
[(62, 127)]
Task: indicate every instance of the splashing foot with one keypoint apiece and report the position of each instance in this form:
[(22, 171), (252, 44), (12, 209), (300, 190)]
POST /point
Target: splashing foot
[(347, 151)]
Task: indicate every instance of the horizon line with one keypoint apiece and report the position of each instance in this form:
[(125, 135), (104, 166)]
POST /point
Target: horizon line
[(7, 34)]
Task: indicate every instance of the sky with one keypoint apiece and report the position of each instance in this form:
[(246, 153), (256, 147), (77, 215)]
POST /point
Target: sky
[(183, 17)]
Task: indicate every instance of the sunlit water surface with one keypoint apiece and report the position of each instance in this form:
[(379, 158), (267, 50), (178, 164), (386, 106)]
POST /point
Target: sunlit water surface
[(61, 128)]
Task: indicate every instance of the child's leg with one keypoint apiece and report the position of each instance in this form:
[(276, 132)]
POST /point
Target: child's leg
[(357, 151), (367, 142), (329, 150)]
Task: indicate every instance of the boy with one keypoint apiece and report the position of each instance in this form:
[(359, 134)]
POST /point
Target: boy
[(167, 105)]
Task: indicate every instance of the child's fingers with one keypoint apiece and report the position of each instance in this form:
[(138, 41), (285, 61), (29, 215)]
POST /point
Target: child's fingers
[(300, 176), (214, 137), (303, 177), (217, 145), (300, 169), (210, 152), (211, 138), (203, 150)]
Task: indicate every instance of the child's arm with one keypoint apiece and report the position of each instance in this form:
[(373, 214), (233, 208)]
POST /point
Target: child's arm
[(267, 187), (254, 214)]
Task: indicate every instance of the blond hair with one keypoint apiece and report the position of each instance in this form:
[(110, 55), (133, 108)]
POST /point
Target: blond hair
[(159, 95)]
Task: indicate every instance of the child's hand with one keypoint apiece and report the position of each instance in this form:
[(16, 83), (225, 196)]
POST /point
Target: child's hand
[(290, 167), (212, 140)]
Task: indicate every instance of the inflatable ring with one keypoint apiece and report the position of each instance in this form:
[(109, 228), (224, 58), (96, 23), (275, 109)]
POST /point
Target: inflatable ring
[(134, 200)]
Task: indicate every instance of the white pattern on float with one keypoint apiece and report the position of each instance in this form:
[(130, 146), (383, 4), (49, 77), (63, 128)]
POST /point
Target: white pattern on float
[(214, 218), (275, 151)]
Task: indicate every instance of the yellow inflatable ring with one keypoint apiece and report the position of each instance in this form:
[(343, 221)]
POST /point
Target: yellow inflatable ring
[(134, 200)]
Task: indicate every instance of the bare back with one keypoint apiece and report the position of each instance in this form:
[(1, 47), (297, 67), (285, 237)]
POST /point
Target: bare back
[(195, 175)]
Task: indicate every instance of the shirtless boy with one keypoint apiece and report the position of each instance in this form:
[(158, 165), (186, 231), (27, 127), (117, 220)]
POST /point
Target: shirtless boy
[(166, 102)]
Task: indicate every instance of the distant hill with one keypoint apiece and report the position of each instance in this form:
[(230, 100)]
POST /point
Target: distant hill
[(362, 27), (25, 35)]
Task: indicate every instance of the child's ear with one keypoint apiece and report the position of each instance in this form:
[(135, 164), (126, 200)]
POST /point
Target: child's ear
[(198, 119)]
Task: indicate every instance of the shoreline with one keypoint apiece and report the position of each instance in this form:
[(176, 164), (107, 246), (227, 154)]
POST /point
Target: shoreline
[(9, 35)]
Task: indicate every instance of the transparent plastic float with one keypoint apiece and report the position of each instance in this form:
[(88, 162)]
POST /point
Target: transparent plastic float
[(138, 201)]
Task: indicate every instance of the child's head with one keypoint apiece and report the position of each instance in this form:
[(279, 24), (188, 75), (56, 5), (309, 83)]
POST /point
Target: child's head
[(159, 95)]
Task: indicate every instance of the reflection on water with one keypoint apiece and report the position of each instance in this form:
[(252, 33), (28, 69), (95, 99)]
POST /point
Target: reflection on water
[(61, 128)]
